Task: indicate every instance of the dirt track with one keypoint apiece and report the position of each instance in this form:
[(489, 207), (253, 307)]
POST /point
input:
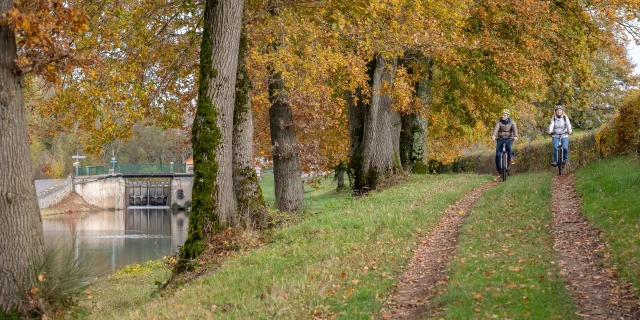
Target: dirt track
[(426, 269), (595, 288), (597, 291)]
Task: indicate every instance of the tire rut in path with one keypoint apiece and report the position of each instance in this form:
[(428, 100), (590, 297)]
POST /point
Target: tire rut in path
[(426, 270), (594, 287)]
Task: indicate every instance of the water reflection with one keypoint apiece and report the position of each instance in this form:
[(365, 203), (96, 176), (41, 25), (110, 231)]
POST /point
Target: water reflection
[(109, 240)]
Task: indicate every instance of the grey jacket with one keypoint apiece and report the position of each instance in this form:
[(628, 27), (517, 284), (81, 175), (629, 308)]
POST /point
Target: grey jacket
[(560, 126), (505, 131)]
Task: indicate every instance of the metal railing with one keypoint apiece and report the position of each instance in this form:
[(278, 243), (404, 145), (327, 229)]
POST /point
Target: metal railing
[(148, 168), (91, 171), (151, 168)]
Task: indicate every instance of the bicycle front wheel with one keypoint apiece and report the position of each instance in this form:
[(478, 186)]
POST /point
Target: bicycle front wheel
[(560, 160), (504, 168)]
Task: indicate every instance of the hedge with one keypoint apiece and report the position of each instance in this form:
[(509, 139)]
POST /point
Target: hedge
[(620, 136)]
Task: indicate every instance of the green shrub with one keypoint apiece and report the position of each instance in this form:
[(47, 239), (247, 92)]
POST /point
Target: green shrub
[(628, 127)]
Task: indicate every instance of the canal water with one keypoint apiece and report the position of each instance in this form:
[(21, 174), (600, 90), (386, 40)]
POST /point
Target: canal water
[(108, 240)]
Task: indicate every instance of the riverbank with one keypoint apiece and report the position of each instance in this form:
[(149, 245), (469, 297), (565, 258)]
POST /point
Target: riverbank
[(71, 204), (342, 259)]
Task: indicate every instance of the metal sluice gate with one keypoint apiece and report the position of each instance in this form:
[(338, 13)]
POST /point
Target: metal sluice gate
[(148, 193)]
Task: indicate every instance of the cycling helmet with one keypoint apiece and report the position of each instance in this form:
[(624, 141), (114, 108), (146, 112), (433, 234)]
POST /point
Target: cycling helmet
[(507, 112), (559, 107)]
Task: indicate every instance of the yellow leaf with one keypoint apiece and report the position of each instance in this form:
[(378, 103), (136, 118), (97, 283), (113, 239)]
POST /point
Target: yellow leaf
[(349, 293)]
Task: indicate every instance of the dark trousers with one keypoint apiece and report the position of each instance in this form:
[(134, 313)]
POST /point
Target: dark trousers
[(507, 143)]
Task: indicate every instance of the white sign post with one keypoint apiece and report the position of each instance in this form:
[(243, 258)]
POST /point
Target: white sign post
[(76, 164), (113, 164)]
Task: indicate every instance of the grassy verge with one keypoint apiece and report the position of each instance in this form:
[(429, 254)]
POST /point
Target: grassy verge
[(315, 198), (610, 192), (504, 267), (341, 261), (129, 287), (134, 285)]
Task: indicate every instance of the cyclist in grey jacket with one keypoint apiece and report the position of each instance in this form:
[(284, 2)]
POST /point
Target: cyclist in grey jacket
[(504, 133), (560, 129)]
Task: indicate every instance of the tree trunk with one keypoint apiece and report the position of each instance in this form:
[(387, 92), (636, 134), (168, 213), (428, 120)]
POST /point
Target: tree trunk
[(252, 212), (214, 201), (396, 130), (356, 111), (341, 169), (413, 148), (21, 241), (287, 172), (373, 161)]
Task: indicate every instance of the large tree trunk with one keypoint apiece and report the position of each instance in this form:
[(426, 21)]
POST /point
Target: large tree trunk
[(341, 169), (214, 201), (356, 111), (413, 145), (413, 142), (373, 160), (20, 223), (252, 212), (287, 172), (396, 131)]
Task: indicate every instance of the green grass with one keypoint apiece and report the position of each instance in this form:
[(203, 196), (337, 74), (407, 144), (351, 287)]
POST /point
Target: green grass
[(340, 261), (505, 264), (610, 192), (315, 198), (130, 287)]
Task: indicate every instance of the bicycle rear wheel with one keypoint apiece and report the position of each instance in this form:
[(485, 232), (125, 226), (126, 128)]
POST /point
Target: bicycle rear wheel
[(560, 160), (504, 167)]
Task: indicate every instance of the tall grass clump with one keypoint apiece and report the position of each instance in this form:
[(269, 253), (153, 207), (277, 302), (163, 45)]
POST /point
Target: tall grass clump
[(60, 279)]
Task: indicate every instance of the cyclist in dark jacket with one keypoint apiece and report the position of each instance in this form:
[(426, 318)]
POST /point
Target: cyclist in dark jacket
[(560, 128), (505, 132)]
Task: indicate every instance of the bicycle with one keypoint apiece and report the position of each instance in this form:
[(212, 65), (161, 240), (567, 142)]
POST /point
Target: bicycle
[(504, 163), (560, 151), (560, 155)]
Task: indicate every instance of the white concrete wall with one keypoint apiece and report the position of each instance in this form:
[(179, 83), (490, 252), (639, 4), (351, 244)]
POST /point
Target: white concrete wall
[(186, 184), (55, 194), (102, 192)]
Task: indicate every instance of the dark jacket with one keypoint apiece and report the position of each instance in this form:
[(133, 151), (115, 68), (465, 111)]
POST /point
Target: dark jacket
[(505, 131)]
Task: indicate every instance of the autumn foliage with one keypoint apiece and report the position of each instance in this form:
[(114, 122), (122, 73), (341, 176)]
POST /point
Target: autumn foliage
[(46, 30), (627, 126), (486, 55)]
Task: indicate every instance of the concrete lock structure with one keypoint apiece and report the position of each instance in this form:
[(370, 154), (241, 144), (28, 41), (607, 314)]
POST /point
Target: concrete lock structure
[(147, 193), (121, 191)]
